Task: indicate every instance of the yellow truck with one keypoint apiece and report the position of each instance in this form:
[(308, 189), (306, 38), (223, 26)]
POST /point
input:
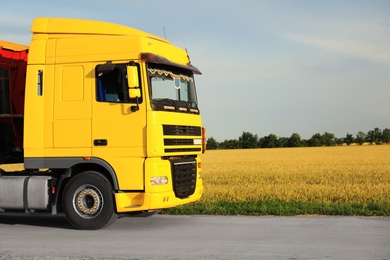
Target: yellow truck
[(105, 120)]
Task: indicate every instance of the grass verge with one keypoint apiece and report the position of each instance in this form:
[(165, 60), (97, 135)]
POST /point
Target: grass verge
[(280, 208)]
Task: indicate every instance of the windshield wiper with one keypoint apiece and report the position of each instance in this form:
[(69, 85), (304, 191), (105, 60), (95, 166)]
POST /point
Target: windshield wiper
[(171, 104), (163, 99)]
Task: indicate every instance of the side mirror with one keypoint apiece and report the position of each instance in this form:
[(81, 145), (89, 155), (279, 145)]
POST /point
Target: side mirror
[(134, 92), (132, 81)]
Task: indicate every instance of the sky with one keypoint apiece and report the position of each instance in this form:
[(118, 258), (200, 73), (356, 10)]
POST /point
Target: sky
[(275, 66)]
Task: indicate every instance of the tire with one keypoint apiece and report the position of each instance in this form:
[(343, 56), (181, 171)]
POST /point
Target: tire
[(88, 201)]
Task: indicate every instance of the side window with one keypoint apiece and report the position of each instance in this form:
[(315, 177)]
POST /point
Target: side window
[(111, 85)]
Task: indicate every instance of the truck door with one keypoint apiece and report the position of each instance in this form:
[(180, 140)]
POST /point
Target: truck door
[(118, 131)]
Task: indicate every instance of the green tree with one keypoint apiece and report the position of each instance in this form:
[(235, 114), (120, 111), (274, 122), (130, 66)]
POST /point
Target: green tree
[(374, 136), (294, 140), (282, 142), (340, 141), (304, 142), (360, 138), (386, 135), (348, 139), (315, 140), (212, 144), (248, 140), (328, 139), (230, 144), (269, 141)]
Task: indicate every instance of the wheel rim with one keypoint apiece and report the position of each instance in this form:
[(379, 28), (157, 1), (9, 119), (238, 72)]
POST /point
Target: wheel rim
[(88, 201)]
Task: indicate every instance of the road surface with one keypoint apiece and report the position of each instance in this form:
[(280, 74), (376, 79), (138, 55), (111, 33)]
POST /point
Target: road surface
[(32, 237)]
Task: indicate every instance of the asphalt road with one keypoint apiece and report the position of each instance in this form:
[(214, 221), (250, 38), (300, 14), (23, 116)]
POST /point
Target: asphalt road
[(32, 237)]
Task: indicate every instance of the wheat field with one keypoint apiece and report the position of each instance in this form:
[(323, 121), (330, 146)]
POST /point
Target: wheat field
[(342, 174)]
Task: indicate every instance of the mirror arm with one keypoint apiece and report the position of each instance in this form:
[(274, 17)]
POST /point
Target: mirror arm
[(135, 108)]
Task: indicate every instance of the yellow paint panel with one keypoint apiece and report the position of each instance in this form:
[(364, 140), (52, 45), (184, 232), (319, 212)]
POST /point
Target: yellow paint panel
[(97, 48), (131, 201), (130, 172), (72, 88), (37, 51), (33, 116), (162, 200), (71, 94), (72, 133), (72, 108)]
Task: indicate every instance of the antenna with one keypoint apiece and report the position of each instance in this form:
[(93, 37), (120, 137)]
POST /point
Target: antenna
[(185, 47), (165, 35), (182, 38)]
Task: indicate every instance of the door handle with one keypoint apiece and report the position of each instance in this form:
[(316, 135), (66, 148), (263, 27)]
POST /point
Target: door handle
[(100, 142)]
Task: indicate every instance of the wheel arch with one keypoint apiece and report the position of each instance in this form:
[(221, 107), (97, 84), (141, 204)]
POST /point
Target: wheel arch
[(67, 168), (74, 165)]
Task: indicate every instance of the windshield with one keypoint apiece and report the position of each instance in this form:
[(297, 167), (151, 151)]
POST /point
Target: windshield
[(172, 89)]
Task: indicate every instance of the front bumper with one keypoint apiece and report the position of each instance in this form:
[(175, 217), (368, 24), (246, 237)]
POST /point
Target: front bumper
[(139, 201)]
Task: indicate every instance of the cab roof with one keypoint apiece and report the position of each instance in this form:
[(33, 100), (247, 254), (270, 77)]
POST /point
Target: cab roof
[(46, 25)]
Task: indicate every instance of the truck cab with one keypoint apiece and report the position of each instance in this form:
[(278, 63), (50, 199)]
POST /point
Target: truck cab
[(111, 123)]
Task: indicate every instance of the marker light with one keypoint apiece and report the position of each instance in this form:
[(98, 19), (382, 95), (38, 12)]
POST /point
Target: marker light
[(200, 165), (204, 142), (159, 180)]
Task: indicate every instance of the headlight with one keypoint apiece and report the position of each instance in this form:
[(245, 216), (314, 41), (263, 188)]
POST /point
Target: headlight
[(159, 180)]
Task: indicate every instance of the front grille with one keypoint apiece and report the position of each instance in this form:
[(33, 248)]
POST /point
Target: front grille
[(178, 141), (182, 130), (184, 177)]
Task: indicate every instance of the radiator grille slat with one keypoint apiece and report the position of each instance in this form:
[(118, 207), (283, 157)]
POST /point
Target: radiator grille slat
[(182, 130), (178, 141)]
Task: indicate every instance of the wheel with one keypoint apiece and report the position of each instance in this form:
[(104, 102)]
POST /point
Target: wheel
[(88, 201)]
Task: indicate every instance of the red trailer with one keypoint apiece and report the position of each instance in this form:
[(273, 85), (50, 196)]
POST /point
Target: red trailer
[(13, 63)]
